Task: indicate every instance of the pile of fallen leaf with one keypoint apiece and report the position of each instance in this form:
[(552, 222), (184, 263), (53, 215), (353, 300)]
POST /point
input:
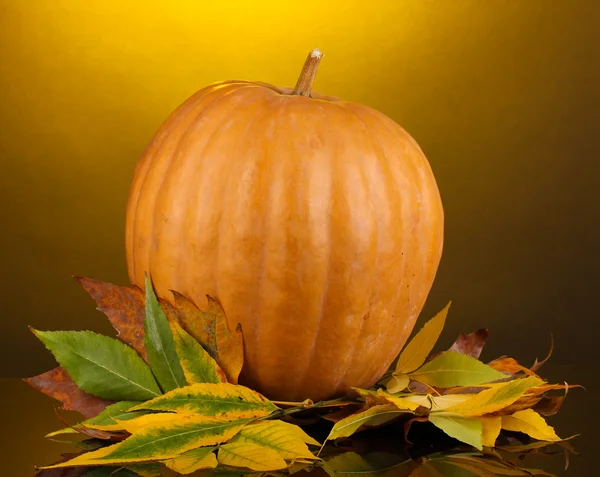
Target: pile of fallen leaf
[(164, 397)]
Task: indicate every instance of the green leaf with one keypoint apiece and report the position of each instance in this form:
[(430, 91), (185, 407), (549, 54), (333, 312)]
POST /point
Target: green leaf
[(160, 345), (287, 440), (101, 366), (198, 366), (160, 437), (464, 429), (193, 460), (250, 456), (218, 400), (416, 351), (374, 416), (497, 397), (454, 369)]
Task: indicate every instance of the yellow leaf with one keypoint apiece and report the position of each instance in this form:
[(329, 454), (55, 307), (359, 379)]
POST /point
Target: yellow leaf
[(208, 399), (531, 423), (374, 416), (230, 345), (397, 383), (250, 456), (160, 437), (198, 366), (491, 429), (288, 440), (382, 397), (416, 352), (193, 460), (420, 399), (496, 397), (446, 401)]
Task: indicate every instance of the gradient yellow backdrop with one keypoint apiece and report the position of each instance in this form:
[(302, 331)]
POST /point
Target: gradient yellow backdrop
[(503, 96)]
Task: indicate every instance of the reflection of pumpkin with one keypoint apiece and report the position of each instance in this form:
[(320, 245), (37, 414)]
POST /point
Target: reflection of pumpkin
[(316, 222)]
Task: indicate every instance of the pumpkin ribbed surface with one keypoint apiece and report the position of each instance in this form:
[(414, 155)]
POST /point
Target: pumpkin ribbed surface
[(315, 222)]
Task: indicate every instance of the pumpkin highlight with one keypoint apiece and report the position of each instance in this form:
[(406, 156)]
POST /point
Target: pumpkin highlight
[(315, 222)]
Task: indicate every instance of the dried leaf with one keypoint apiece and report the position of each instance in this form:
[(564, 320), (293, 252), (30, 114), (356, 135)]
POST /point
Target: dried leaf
[(193, 460), (199, 324), (510, 366), (100, 365), (538, 364), (531, 423), (160, 437), (374, 416), (58, 385), (230, 345), (550, 405), (471, 344), (495, 398), (455, 369), (525, 402), (416, 351), (464, 429), (198, 366), (160, 345), (397, 383), (124, 308), (217, 400)]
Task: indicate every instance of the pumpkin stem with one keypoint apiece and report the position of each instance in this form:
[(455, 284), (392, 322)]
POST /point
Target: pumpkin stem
[(308, 73)]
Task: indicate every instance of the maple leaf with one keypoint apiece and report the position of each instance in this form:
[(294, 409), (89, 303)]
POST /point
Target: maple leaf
[(470, 344), (57, 384)]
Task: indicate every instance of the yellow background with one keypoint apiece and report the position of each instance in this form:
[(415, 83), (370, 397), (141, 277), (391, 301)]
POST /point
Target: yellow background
[(503, 96)]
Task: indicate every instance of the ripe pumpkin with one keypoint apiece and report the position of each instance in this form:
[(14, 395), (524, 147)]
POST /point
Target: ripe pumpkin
[(315, 222)]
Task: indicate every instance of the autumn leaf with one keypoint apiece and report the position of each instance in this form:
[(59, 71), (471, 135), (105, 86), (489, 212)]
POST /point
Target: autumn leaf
[(161, 437), (437, 403), (382, 397), (124, 308), (105, 419), (100, 365), (531, 423), (397, 383), (374, 416), (495, 398), (198, 366), (286, 440), (538, 364), (230, 344), (491, 427), (193, 460), (198, 323), (416, 351), (250, 456), (58, 385), (470, 344), (464, 429), (217, 400), (455, 369), (160, 345), (510, 366)]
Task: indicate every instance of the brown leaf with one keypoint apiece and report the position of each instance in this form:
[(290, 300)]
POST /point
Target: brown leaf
[(510, 366), (550, 405), (538, 364), (199, 324), (230, 345), (57, 384), (125, 308), (525, 402), (471, 344)]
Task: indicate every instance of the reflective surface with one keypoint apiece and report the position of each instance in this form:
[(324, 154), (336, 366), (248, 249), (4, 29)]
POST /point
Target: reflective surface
[(27, 416)]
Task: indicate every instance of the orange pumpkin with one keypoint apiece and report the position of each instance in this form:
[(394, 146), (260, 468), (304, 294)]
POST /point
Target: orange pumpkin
[(315, 222)]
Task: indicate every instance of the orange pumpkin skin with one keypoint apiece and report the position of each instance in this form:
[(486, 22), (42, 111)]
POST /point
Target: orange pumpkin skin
[(315, 222)]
